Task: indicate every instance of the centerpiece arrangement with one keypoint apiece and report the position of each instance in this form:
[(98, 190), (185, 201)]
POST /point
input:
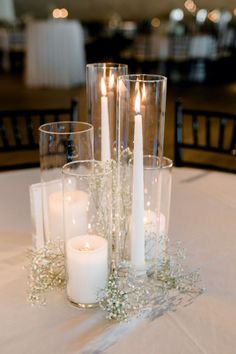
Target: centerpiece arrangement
[(101, 213)]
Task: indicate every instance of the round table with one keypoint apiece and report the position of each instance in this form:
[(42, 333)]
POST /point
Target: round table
[(202, 217)]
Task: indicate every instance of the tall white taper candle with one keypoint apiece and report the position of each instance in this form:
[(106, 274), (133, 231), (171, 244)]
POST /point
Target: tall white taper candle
[(137, 230), (105, 130)]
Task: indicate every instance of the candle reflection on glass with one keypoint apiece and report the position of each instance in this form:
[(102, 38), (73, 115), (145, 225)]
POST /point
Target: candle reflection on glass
[(75, 216)]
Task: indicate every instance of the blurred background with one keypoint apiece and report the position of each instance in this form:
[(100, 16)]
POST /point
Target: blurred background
[(44, 47)]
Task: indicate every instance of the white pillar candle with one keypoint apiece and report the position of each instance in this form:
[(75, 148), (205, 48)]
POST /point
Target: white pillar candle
[(75, 218), (137, 231), (105, 130), (87, 268)]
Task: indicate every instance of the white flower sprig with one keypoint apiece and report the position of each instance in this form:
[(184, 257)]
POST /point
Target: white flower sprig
[(171, 285), (46, 271)]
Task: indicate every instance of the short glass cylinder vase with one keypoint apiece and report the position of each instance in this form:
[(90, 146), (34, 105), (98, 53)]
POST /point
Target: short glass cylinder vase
[(101, 86), (157, 201), (156, 216), (87, 197), (60, 143), (141, 122)]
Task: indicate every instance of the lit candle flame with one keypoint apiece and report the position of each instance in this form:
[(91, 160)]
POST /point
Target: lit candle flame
[(86, 247), (103, 87), (111, 80), (137, 103)]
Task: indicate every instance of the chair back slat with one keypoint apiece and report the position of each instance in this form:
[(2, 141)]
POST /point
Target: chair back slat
[(74, 109), (221, 133), (208, 130), (29, 124), (56, 117), (195, 126), (178, 133), (42, 118), (3, 133), (16, 131), (233, 139)]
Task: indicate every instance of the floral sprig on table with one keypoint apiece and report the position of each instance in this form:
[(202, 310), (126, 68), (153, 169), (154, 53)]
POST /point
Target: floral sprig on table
[(171, 285), (46, 271)]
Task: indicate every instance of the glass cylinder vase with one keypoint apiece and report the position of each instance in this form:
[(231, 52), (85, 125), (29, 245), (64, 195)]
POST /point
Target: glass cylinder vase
[(157, 198), (87, 196), (60, 143), (101, 86), (140, 139)]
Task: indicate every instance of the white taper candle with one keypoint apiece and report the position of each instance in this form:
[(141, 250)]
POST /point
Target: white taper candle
[(105, 130), (137, 230)]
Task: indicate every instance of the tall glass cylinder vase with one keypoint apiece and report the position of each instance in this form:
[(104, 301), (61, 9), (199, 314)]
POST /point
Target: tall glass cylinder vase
[(87, 196), (140, 139), (60, 143), (101, 85)]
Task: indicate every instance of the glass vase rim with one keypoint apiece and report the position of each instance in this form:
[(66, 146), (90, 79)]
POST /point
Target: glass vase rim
[(107, 64), (104, 172), (43, 126), (143, 78), (169, 161)]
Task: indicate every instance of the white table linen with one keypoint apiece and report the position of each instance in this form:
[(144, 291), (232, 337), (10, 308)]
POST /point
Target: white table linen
[(55, 54), (203, 217)]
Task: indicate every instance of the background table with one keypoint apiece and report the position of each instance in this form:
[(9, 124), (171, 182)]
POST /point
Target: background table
[(202, 217), (55, 54)]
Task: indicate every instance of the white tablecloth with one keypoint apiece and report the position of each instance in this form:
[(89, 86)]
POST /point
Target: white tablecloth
[(203, 217), (55, 54)]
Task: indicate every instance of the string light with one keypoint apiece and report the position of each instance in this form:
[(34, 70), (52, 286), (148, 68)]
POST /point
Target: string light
[(214, 16), (201, 15), (190, 5), (60, 13), (177, 15), (226, 16), (56, 13), (155, 22), (64, 13)]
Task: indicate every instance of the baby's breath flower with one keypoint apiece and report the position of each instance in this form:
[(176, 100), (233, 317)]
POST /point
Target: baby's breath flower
[(46, 271)]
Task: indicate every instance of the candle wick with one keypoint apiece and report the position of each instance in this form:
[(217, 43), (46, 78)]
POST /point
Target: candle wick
[(86, 247)]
